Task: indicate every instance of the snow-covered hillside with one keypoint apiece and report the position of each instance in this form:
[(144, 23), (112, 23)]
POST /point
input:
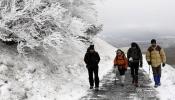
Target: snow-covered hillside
[(34, 78), (43, 43)]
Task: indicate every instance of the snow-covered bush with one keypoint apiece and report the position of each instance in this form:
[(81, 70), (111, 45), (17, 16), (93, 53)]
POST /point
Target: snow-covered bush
[(34, 23)]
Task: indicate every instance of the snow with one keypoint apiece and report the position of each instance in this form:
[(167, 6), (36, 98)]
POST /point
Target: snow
[(107, 54), (42, 77), (166, 90), (30, 78), (54, 68), (52, 40), (78, 88)]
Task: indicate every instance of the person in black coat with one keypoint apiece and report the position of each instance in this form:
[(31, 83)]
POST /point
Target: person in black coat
[(92, 59), (134, 56)]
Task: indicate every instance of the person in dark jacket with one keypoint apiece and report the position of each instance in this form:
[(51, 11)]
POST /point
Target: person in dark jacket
[(134, 56), (92, 59)]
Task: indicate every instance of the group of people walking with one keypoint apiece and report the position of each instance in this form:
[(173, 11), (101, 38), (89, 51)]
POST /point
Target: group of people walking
[(133, 60), (155, 57)]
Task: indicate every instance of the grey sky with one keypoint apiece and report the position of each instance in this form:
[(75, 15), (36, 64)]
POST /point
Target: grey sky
[(137, 16)]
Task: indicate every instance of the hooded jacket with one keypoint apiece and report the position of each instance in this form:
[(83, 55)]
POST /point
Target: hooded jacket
[(134, 53), (121, 61)]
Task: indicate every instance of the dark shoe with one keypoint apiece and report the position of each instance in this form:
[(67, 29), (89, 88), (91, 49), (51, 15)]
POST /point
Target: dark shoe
[(156, 86), (133, 81), (122, 85), (159, 84), (96, 88), (136, 85), (91, 87)]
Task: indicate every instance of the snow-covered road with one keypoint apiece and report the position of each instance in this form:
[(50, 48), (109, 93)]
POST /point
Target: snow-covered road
[(111, 89)]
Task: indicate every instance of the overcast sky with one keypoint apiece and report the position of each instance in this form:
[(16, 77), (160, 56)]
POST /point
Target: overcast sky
[(128, 17)]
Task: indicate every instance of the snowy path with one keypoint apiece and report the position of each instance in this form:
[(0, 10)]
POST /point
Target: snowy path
[(111, 89)]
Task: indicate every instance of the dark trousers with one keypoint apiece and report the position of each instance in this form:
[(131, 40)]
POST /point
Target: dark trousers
[(121, 71), (91, 72), (157, 74), (134, 71), (156, 70)]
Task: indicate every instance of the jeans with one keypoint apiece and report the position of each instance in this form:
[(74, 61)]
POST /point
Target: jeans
[(157, 74)]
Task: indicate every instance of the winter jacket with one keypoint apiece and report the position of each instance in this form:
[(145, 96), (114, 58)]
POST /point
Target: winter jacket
[(121, 61), (91, 59), (156, 56), (135, 55)]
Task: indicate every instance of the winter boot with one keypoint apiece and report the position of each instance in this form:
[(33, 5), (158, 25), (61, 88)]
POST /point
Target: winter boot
[(136, 81), (133, 79), (122, 80), (136, 85)]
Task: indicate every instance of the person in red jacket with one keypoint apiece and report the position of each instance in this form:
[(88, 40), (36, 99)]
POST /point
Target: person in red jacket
[(121, 62)]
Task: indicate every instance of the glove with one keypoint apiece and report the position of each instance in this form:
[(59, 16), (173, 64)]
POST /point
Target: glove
[(163, 64), (141, 64), (149, 62), (131, 59)]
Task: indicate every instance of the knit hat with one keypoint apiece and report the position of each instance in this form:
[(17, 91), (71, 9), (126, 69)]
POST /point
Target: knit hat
[(91, 47)]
